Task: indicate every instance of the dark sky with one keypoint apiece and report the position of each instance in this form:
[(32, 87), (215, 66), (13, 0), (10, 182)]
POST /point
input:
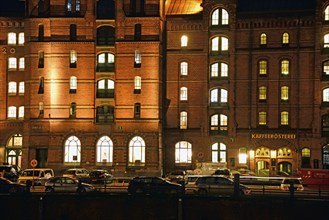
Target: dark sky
[(11, 7)]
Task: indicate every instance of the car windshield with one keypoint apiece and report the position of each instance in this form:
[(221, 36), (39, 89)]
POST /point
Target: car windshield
[(70, 172), (294, 181), (30, 173)]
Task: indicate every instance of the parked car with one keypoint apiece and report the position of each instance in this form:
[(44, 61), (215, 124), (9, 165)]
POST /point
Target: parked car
[(67, 185), (7, 186), (76, 173), (190, 185), (178, 176), (218, 185), (296, 182), (153, 185), (36, 176), (99, 176), (10, 172)]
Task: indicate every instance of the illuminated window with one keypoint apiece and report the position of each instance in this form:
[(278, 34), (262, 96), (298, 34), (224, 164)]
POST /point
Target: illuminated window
[(218, 96), (41, 85), (138, 59), (326, 14), (219, 15), (105, 62), (72, 150), (22, 63), (284, 152), (183, 41), (262, 65), (41, 110), (11, 112), (137, 84), (219, 43), (263, 152), (285, 66), (183, 152), (285, 38), (137, 110), (284, 118), (12, 88), (262, 93), (12, 63), (262, 118), (219, 69), (263, 40), (21, 89), (69, 5), (104, 148), (11, 38), (325, 93), (41, 59), (73, 84), (306, 157), (21, 38), (77, 5), (183, 68), (325, 156), (183, 94), (284, 93), (183, 120), (73, 59), (218, 124), (105, 88), (326, 41), (136, 151), (218, 153), (242, 155), (21, 112), (73, 109)]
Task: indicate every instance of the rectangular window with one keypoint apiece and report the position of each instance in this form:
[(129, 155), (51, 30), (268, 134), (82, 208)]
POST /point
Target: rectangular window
[(73, 59), (138, 32), (137, 110), (21, 38), (262, 68), (73, 107), (41, 85), (12, 88), (12, 63), (284, 118), (11, 38), (73, 84), (138, 59), (41, 33), (12, 112), (41, 111), (262, 93), (284, 93), (137, 85), (262, 118), (21, 63), (41, 63), (183, 120), (21, 88), (21, 112), (73, 32)]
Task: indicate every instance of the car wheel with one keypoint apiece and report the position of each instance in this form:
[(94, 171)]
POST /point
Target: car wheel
[(49, 190), (81, 190), (202, 192)]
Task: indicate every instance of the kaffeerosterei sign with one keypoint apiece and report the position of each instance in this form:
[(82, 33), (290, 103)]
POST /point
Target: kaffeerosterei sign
[(273, 136)]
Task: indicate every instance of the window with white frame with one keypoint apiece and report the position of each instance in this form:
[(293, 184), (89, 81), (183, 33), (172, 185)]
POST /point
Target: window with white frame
[(183, 120), (183, 41), (136, 151), (137, 84), (138, 58), (183, 68), (262, 118), (69, 5), (11, 112), (21, 38), (326, 41), (219, 43), (325, 93), (218, 95), (12, 88), (183, 94), (326, 68), (21, 65), (77, 5), (11, 38), (224, 41), (218, 153), (263, 39), (73, 84), (72, 150), (105, 88), (284, 93), (284, 118), (12, 63), (218, 123), (285, 66), (219, 16), (262, 67), (21, 89), (183, 152), (215, 44), (104, 150), (73, 59), (21, 112), (219, 70)]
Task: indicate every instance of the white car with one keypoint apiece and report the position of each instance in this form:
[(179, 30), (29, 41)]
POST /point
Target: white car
[(67, 185), (37, 176), (296, 182)]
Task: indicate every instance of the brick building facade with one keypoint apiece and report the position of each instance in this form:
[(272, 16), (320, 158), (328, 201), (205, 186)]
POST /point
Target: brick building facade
[(145, 87)]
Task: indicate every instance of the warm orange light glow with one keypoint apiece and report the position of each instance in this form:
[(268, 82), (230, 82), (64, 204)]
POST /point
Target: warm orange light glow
[(252, 154)]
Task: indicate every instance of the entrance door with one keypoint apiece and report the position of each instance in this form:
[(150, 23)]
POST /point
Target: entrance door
[(262, 168), (285, 169), (42, 157)]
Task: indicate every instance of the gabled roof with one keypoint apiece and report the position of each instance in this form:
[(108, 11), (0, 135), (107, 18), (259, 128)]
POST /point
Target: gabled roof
[(175, 7)]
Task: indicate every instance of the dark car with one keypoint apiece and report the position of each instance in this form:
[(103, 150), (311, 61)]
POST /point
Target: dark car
[(223, 172), (7, 186), (67, 185), (99, 176), (153, 185), (10, 172), (178, 176)]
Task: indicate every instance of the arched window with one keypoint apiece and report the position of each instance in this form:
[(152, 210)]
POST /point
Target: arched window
[(183, 41), (137, 84), (72, 150), (285, 67), (218, 124), (306, 157), (285, 38), (262, 67), (326, 41), (21, 38), (12, 88), (136, 151), (12, 63), (262, 118), (183, 68), (106, 36), (105, 62), (262, 93), (219, 70), (284, 118), (326, 14), (183, 152), (219, 17), (219, 44), (73, 84), (325, 95), (21, 112), (218, 153), (104, 150), (263, 39), (218, 96), (105, 88), (73, 59), (284, 93), (183, 120)]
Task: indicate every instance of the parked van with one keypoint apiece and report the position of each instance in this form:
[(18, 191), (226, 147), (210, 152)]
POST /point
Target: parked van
[(37, 176)]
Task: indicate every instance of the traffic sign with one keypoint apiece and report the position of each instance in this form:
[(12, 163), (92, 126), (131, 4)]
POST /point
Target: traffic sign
[(34, 163)]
